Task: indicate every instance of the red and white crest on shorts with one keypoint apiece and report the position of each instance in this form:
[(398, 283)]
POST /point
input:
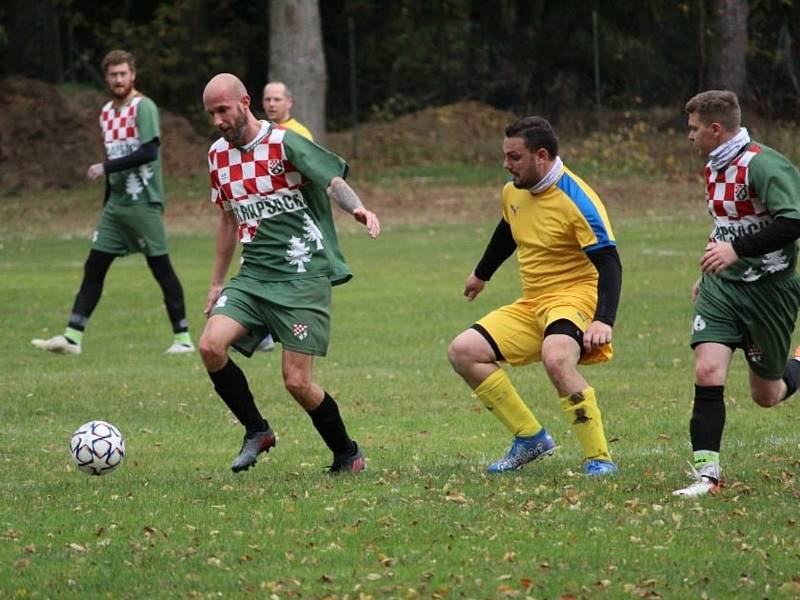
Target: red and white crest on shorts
[(246, 175), (300, 331), (119, 124)]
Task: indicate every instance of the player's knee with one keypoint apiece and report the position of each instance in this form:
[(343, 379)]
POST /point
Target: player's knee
[(297, 383), (766, 398), (556, 362), (212, 352), (458, 353), (708, 373)]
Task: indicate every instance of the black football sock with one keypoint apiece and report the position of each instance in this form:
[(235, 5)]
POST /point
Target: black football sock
[(94, 274), (231, 385), (791, 376), (708, 418), (167, 279), (329, 424)]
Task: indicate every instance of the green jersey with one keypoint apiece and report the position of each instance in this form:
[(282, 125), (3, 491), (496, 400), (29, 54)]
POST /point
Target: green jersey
[(276, 189), (757, 186), (124, 130)]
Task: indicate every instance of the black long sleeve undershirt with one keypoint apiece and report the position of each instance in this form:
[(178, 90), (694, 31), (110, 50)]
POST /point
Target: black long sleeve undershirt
[(605, 260), (144, 154), (500, 247), (773, 237), (609, 283)]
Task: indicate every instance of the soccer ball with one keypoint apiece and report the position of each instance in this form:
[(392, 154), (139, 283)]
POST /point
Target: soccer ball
[(97, 447)]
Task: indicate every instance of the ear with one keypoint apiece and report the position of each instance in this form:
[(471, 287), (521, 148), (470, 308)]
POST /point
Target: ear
[(245, 101), (542, 154)]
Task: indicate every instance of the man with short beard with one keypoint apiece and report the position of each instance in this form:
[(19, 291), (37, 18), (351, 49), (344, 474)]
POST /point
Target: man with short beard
[(571, 277), (133, 212), (274, 190)]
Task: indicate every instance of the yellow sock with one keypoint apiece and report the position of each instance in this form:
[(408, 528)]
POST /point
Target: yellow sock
[(500, 397), (587, 423)]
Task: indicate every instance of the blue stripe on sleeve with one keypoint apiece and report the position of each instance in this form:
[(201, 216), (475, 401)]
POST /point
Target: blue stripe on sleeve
[(589, 211)]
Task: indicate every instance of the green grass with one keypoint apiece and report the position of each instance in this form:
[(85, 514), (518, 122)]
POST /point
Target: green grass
[(423, 520)]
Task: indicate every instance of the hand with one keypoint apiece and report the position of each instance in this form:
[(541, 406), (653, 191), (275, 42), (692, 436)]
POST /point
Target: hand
[(596, 335), (717, 257), (95, 171), (695, 289), (368, 218), (473, 287), (213, 295)]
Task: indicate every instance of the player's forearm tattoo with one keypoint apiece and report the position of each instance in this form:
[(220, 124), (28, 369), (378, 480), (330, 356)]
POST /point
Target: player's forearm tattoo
[(344, 196)]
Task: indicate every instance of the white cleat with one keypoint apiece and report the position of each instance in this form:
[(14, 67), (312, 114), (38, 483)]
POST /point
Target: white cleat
[(706, 481), (178, 348), (266, 345), (58, 344)]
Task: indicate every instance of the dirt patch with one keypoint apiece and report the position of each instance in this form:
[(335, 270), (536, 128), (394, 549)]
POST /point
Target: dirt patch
[(466, 132), (48, 138)]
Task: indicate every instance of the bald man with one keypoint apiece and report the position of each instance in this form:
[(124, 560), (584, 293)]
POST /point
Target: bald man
[(273, 188), (278, 102)]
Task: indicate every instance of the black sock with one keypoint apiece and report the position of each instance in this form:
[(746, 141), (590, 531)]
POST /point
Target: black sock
[(329, 424), (231, 385), (94, 275), (791, 376), (167, 279), (708, 417)]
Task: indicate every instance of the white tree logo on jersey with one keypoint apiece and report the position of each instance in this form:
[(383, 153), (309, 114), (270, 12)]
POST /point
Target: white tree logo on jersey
[(132, 186), (772, 262), (298, 254), (311, 232)]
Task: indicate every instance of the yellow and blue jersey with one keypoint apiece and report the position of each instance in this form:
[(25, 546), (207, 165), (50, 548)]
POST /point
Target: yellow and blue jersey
[(298, 127), (553, 231)]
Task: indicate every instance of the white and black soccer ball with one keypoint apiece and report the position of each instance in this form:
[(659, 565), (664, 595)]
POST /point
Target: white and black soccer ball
[(97, 447)]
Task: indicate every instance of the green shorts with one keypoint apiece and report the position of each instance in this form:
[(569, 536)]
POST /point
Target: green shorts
[(297, 313), (758, 317), (130, 228)]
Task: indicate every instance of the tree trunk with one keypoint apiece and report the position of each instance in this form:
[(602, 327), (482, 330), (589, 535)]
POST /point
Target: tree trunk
[(727, 45), (34, 40), (296, 58)]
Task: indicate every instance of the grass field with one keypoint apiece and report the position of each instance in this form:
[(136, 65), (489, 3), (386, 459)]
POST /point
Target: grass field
[(423, 520)]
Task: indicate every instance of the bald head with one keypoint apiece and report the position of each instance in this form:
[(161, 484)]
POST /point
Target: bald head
[(224, 86), (226, 101)]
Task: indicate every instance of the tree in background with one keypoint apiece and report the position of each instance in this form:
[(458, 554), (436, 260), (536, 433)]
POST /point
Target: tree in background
[(726, 45), (34, 42), (297, 59)]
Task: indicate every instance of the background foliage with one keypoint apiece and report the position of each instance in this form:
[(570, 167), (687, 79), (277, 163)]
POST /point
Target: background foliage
[(518, 55)]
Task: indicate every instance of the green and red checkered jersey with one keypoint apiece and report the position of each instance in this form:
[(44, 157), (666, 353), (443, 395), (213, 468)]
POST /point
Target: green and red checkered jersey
[(124, 130), (276, 189), (757, 186)]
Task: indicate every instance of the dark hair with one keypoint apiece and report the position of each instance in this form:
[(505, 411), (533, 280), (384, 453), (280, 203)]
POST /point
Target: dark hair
[(536, 132), (118, 57), (717, 106)]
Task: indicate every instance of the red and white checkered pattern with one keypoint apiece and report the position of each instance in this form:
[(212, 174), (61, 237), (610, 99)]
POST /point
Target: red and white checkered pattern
[(238, 176), (728, 192), (119, 124), (300, 331)]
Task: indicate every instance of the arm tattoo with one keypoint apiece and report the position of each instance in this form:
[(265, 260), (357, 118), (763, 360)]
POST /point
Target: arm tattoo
[(344, 196)]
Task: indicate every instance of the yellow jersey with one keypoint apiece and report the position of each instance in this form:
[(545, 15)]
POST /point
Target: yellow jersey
[(553, 231), (295, 126)]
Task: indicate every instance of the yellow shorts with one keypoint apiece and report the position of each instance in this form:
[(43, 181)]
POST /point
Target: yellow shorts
[(518, 328)]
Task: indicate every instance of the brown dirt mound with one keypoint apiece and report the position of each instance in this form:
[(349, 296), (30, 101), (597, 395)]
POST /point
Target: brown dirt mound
[(48, 138), (462, 132)]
